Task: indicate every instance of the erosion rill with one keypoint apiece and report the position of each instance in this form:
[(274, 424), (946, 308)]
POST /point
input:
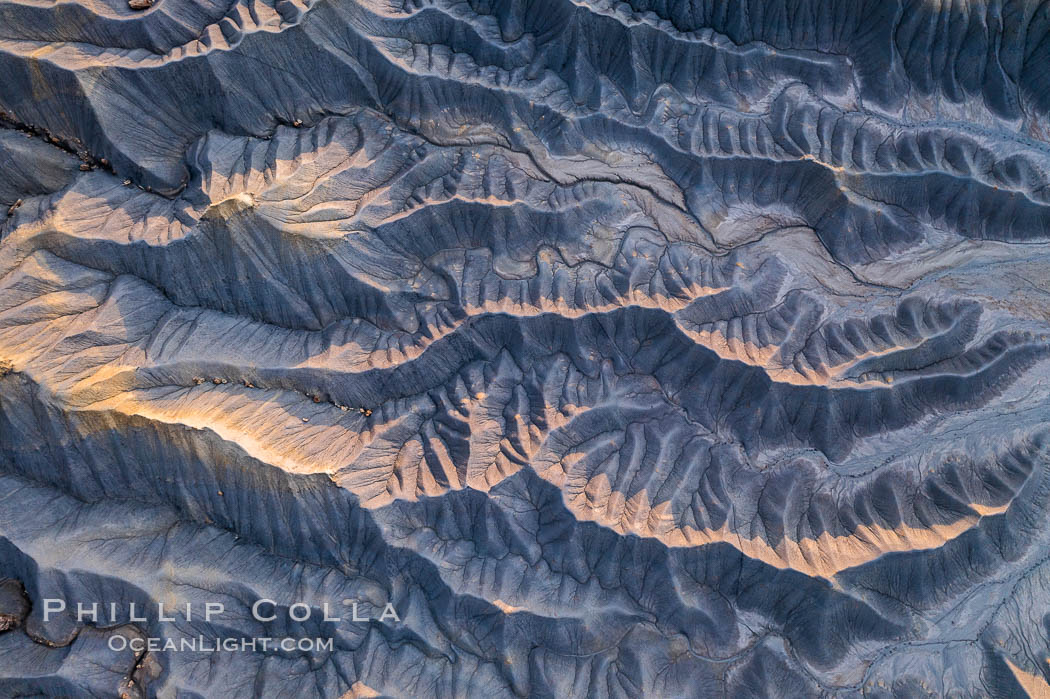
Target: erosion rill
[(549, 348)]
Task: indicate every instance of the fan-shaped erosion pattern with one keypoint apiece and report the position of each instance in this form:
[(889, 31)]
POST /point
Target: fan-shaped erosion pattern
[(620, 349)]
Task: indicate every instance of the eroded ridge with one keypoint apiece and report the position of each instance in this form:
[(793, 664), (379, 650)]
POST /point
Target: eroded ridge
[(625, 349)]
